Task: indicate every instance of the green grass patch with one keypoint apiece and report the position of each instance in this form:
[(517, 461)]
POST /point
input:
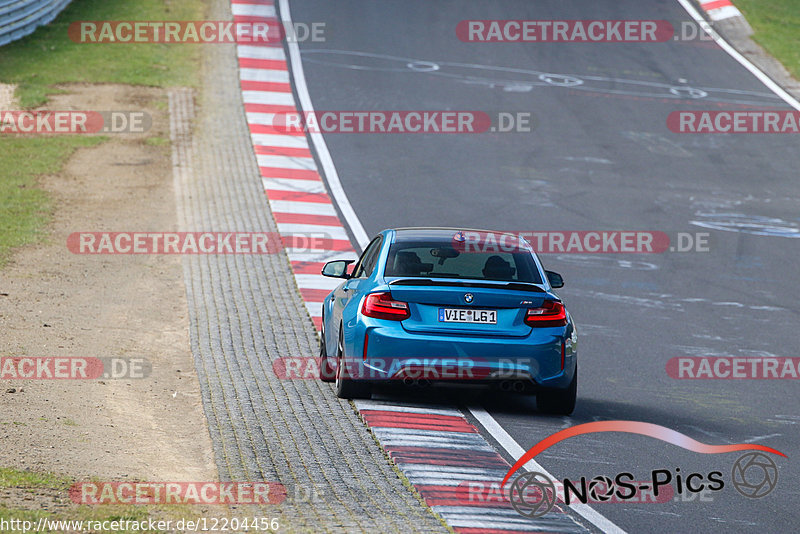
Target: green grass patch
[(156, 141), (49, 57), (776, 24), (35, 482), (24, 208), (16, 478)]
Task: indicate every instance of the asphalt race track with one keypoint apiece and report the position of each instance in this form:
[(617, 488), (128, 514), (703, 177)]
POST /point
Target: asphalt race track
[(600, 158)]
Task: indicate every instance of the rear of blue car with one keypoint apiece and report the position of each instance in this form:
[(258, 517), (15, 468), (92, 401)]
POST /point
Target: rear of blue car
[(519, 347), (436, 310)]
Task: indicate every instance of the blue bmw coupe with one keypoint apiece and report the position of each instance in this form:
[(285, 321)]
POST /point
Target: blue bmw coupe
[(432, 305)]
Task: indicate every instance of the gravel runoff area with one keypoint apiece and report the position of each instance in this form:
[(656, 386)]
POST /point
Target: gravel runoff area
[(245, 312)]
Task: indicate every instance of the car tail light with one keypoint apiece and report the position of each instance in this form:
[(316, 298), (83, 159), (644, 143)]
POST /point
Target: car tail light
[(551, 313), (381, 306)]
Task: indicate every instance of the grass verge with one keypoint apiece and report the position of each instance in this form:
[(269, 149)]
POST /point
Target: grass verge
[(24, 208), (42, 486), (15, 478), (48, 56), (776, 24), (41, 61)]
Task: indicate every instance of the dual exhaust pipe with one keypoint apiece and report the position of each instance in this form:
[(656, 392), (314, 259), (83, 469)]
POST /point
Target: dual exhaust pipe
[(512, 385), (416, 382), (517, 386)]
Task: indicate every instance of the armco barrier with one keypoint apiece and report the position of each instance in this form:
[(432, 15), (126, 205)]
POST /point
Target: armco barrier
[(19, 18)]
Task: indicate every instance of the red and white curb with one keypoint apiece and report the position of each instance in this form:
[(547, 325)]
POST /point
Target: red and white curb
[(720, 9), (437, 449), (453, 468), (294, 189)]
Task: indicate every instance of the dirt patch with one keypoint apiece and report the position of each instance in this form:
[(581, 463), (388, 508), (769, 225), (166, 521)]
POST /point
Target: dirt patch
[(130, 306), (43, 499), (7, 100)]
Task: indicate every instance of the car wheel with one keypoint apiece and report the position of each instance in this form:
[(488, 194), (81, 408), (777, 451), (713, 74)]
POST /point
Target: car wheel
[(326, 371), (346, 388), (559, 401)]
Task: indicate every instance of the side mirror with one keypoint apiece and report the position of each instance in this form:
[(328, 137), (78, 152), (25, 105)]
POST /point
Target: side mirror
[(555, 279), (337, 269)]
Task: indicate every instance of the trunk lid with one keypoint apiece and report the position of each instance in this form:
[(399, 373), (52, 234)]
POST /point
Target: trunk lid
[(429, 298)]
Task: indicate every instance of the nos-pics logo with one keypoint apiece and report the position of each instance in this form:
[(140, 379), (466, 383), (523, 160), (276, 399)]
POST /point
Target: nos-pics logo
[(533, 494)]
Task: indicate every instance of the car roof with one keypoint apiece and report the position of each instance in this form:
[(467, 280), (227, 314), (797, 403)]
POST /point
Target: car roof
[(436, 233)]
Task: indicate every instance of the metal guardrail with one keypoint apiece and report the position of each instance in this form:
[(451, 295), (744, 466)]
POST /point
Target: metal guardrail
[(19, 18)]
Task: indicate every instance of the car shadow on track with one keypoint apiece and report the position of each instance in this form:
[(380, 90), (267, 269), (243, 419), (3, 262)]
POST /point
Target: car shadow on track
[(510, 404)]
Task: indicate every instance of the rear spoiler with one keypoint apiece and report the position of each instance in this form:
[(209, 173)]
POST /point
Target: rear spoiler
[(516, 286)]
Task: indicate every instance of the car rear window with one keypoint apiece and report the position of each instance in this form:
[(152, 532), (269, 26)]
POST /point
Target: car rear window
[(438, 259)]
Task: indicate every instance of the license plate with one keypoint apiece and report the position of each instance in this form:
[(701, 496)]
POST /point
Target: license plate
[(460, 315)]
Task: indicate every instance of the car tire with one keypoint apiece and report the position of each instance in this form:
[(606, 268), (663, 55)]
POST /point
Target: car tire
[(559, 401), (347, 388), (326, 371)]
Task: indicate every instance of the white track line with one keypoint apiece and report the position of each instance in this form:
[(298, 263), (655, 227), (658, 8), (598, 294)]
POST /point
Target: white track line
[(335, 185), (260, 52), (755, 71), (318, 256), (314, 309), (405, 408), (272, 140), (724, 12), (488, 422), (253, 10), (268, 97), (513, 448), (260, 118), (292, 184), (286, 162), (264, 75), (326, 232), (306, 208), (316, 281)]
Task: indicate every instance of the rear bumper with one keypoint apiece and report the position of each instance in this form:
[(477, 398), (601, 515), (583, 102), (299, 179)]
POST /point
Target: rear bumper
[(546, 358)]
